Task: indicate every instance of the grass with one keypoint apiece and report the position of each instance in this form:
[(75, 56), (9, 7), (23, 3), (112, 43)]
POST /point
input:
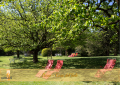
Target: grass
[(69, 63), (58, 83)]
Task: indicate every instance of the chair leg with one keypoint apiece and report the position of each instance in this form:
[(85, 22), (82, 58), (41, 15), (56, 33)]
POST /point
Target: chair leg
[(100, 73), (40, 73), (57, 69), (48, 67)]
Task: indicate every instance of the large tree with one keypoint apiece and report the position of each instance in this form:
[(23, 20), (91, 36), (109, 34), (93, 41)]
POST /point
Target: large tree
[(26, 25)]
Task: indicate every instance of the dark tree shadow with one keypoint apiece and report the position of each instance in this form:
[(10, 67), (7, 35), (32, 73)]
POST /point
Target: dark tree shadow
[(79, 63)]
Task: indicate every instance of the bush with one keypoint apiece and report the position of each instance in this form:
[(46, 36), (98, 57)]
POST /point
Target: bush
[(78, 49), (82, 50), (46, 52)]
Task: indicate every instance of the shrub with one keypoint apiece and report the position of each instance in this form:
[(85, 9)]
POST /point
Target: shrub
[(82, 50), (78, 49), (46, 52)]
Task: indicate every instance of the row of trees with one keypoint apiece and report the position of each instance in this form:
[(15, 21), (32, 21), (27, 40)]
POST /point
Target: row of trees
[(37, 24)]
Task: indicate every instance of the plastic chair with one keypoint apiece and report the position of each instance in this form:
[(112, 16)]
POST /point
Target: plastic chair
[(48, 67), (76, 54), (72, 55), (56, 69), (108, 67)]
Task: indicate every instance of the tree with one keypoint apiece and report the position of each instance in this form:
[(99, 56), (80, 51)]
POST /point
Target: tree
[(109, 18), (74, 17), (26, 23)]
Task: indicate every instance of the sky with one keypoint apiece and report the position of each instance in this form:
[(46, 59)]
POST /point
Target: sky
[(98, 10), (99, 2)]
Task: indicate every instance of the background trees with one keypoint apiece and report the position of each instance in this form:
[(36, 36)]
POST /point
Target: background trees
[(77, 17)]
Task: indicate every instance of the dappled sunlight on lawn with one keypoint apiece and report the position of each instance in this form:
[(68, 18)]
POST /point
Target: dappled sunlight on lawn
[(69, 63)]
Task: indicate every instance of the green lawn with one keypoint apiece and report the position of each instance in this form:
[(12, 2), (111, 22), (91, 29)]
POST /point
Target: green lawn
[(69, 63), (57, 83)]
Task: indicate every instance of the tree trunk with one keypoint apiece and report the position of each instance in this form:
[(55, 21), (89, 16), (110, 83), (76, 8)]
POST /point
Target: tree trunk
[(51, 52), (35, 56), (107, 50), (60, 51), (115, 52), (107, 47), (66, 53), (116, 49), (18, 54)]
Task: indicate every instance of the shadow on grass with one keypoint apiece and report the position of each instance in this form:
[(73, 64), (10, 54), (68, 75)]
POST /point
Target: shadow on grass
[(1, 61), (116, 83), (28, 65), (79, 63), (87, 81), (32, 58)]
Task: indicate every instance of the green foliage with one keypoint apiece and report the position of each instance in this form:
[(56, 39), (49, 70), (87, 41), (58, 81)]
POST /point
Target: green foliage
[(84, 51), (94, 43), (46, 52), (78, 49), (74, 18), (24, 25), (60, 50)]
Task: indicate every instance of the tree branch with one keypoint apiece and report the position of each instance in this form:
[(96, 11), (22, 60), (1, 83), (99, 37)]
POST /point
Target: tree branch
[(100, 3), (22, 7), (106, 11), (98, 26), (113, 22)]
